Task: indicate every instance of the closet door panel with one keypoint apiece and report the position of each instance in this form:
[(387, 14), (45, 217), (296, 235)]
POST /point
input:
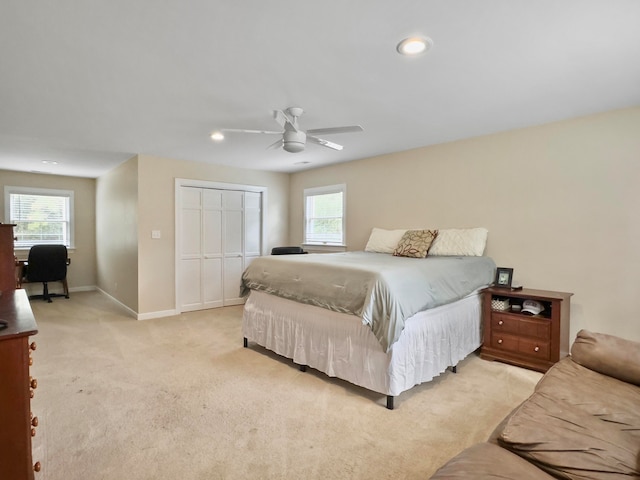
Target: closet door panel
[(191, 241), (233, 233), (212, 282), (212, 251), (190, 284), (252, 226), (190, 274), (233, 268)]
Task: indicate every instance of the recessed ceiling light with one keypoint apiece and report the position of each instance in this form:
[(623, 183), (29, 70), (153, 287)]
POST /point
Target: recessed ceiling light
[(414, 46), (217, 136), (302, 163), (50, 162)]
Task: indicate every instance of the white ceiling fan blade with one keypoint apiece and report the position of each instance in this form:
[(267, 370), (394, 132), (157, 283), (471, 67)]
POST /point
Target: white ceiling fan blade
[(276, 144), (331, 130), (324, 143), (242, 130)]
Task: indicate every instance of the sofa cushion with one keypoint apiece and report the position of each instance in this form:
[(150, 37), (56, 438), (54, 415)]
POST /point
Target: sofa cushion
[(609, 355), (568, 443), (489, 461), (605, 398)]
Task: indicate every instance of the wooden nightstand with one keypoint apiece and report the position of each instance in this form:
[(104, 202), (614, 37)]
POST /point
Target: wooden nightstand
[(530, 341)]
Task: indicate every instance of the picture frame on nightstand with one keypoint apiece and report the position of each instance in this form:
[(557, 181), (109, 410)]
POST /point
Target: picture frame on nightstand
[(504, 277)]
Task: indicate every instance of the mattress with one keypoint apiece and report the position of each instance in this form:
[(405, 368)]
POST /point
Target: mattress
[(339, 345), (381, 289)]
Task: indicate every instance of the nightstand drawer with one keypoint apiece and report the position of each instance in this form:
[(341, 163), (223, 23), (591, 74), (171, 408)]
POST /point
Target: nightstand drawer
[(522, 346), (521, 325)]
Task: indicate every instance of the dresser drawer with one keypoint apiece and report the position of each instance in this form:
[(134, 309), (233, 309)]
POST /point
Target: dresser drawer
[(522, 346), (521, 325)]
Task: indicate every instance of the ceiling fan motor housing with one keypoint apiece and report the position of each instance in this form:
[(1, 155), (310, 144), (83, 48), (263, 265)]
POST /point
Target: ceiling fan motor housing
[(294, 141)]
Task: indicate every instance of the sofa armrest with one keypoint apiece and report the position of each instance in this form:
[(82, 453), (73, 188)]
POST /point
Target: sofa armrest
[(486, 461), (609, 355)]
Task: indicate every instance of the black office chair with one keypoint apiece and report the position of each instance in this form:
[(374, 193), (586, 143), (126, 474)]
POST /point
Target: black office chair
[(287, 251), (47, 263)]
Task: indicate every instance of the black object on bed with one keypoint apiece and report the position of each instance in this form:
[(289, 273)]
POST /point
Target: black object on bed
[(287, 251)]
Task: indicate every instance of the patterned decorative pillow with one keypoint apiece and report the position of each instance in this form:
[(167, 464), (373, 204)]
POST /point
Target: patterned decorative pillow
[(415, 243)]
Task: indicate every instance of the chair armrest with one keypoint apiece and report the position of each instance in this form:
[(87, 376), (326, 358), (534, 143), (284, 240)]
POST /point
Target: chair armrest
[(609, 355)]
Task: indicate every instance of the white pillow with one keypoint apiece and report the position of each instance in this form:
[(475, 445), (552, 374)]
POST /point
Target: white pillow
[(383, 241), (468, 242)]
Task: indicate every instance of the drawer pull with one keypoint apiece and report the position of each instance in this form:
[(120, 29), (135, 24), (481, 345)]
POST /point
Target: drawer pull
[(499, 341), (37, 467), (33, 432), (33, 383), (500, 322), (34, 421), (537, 349), (33, 346), (30, 360)]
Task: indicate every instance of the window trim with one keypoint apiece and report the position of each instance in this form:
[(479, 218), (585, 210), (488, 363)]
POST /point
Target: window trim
[(52, 192), (328, 189)]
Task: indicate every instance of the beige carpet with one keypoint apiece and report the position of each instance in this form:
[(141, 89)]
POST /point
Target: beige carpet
[(179, 398)]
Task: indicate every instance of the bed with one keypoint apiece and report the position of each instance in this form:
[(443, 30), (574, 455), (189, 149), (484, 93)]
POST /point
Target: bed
[(379, 321)]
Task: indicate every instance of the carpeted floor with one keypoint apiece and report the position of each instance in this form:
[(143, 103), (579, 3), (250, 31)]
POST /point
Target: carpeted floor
[(180, 398)]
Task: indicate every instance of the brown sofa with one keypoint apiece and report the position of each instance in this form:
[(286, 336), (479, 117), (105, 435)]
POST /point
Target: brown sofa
[(581, 422)]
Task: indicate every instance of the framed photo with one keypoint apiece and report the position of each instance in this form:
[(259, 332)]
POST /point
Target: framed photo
[(504, 277)]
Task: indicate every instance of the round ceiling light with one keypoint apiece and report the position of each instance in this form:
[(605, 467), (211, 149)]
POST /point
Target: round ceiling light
[(413, 46), (217, 136)]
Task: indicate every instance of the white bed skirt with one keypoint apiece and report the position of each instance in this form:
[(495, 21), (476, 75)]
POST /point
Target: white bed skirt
[(341, 346)]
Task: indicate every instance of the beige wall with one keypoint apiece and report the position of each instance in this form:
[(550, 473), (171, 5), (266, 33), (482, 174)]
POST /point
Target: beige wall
[(156, 211), (117, 233), (560, 202), (81, 274)]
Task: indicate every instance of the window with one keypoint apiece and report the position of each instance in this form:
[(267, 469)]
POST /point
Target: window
[(324, 215), (41, 215)]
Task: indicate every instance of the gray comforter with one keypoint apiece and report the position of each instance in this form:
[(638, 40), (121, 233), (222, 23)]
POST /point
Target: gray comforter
[(381, 289)]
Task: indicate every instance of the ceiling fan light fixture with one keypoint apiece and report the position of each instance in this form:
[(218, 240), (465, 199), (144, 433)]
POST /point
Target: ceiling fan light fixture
[(293, 141), (217, 136), (413, 46), (293, 147)]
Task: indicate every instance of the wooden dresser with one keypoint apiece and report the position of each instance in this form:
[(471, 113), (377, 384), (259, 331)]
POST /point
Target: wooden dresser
[(17, 387), (530, 341)]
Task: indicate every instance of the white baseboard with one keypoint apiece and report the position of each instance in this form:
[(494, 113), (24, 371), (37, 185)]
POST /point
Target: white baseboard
[(129, 310), (160, 314), (88, 288), (140, 316)]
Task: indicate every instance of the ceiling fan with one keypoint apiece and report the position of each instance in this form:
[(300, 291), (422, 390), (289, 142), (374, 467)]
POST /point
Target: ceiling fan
[(293, 137)]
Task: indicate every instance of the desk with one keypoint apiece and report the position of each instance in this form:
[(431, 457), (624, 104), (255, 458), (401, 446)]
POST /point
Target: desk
[(21, 267)]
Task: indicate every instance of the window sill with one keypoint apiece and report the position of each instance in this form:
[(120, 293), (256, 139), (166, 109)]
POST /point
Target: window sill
[(323, 248)]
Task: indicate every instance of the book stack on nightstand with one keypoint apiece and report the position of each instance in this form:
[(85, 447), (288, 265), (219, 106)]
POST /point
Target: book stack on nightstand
[(517, 337)]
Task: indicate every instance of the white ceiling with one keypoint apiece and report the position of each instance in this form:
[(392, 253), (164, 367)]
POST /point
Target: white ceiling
[(91, 83)]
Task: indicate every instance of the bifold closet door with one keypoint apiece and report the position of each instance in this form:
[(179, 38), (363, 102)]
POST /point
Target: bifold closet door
[(220, 233), (233, 245), (252, 226), (201, 262)]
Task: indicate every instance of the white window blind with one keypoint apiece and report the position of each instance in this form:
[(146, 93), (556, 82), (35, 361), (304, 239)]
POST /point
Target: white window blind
[(41, 216), (324, 215)]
